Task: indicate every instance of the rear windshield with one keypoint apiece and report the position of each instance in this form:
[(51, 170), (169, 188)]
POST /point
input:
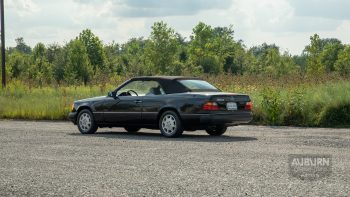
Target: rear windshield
[(196, 85)]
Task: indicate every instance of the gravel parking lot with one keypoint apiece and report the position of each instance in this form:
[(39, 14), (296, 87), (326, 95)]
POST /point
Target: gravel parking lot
[(52, 158)]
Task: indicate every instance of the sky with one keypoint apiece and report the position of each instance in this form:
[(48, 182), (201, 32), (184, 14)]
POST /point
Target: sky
[(287, 23)]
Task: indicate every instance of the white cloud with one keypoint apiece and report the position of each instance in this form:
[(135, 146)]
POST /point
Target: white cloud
[(158, 8), (335, 9), (288, 23), (23, 7)]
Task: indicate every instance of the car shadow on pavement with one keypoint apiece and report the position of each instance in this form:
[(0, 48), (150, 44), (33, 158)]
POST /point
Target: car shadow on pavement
[(187, 136)]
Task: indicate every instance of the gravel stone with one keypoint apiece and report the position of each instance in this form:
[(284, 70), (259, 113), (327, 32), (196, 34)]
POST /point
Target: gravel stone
[(53, 159)]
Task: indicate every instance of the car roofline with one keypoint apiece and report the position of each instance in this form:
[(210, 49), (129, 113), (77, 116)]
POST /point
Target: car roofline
[(164, 78)]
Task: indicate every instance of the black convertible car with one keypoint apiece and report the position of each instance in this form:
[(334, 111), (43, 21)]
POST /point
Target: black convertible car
[(171, 104)]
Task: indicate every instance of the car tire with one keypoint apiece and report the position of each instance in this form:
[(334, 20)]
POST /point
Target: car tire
[(86, 122), (132, 129), (216, 130), (170, 125)]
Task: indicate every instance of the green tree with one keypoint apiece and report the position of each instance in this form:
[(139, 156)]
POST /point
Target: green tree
[(236, 59), (286, 65), (329, 54), (21, 46), (18, 63), (231, 53), (78, 68), (313, 52), (265, 55), (262, 50), (113, 53), (183, 51), (40, 70), (327, 41), (260, 54), (203, 51), (162, 49), (270, 61), (133, 57), (57, 56), (215, 50), (52, 51), (342, 65), (94, 49), (300, 62)]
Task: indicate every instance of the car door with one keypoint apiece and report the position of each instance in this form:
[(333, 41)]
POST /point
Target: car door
[(152, 101), (126, 108)]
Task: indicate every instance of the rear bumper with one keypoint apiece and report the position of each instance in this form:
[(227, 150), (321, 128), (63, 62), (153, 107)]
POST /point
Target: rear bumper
[(73, 117), (203, 120)]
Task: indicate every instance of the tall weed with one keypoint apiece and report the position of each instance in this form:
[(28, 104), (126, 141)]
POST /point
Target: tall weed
[(289, 100)]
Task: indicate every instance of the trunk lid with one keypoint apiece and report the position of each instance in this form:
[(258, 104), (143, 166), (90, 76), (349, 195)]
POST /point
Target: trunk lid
[(227, 102), (230, 102)]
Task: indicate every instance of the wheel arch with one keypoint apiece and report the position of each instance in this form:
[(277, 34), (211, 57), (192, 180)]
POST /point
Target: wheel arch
[(81, 108), (168, 108)]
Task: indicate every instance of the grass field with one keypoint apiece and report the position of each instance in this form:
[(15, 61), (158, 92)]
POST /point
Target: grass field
[(291, 100)]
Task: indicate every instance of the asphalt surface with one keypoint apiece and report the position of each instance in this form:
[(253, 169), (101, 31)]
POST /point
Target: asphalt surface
[(52, 158)]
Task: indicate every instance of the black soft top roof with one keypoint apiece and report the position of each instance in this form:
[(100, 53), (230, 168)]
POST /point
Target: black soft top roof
[(163, 77)]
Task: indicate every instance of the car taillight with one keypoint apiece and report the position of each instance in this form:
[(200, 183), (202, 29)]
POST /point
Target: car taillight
[(248, 106), (211, 106)]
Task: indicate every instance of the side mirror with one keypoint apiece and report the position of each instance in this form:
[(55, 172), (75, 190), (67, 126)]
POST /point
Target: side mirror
[(112, 94)]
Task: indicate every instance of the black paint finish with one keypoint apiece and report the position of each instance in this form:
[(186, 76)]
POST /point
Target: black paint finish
[(144, 111)]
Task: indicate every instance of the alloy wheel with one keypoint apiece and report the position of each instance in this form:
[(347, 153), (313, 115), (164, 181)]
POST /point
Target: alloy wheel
[(85, 122), (169, 124)]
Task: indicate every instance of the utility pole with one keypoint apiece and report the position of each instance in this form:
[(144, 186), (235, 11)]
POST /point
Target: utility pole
[(3, 45)]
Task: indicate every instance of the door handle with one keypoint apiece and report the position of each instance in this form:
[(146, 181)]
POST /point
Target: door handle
[(138, 101)]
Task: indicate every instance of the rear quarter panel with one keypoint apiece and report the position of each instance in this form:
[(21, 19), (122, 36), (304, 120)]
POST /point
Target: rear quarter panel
[(183, 103)]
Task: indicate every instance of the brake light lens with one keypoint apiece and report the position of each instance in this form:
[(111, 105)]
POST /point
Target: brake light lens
[(248, 106), (210, 106)]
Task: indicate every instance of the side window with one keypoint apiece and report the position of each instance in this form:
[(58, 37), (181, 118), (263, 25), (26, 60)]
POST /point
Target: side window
[(134, 88), (141, 88), (153, 88)]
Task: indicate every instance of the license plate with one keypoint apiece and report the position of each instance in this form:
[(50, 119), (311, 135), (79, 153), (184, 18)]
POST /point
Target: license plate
[(231, 106)]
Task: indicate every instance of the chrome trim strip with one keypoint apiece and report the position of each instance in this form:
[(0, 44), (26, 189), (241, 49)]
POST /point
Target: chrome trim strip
[(125, 112), (107, 112)]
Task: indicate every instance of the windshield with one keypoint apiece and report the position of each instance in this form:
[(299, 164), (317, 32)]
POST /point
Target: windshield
[(196, 85)]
